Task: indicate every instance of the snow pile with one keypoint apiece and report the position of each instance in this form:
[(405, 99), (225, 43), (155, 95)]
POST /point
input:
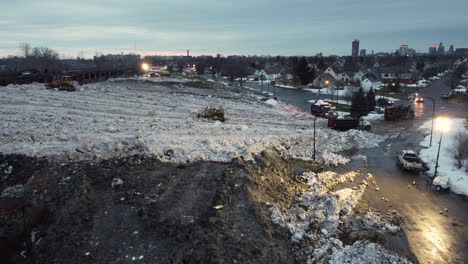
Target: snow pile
[(457, 177), (321, 216), (317, 212), (364, 252), (123, 117), (373, 116), (334, 159), (271, 102), (374, 222)]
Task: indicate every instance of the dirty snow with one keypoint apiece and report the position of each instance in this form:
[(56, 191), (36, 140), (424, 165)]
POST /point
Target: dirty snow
[(124, 117), (317, 214), (457, 177), (365, 252)]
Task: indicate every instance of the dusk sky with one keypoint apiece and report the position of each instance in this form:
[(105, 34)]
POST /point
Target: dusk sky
[(249, 27)]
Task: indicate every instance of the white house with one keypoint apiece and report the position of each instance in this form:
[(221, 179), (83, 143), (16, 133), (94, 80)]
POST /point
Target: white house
[(369, 83), (358, 76), (325, 80), (344, 78), (266, 75), (332, 72)]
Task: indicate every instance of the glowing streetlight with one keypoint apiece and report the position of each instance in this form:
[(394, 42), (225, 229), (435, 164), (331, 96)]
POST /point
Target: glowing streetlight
[(443, 125), (145, 66), (327, 82)]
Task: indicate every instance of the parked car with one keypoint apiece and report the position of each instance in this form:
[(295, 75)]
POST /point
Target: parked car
[(445, 96), (409, 160), (384, 102), (440, 183), (347, 123)]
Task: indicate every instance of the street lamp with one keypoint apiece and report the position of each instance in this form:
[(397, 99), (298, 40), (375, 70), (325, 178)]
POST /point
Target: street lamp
[(145, 66), (433, 112), (443, 125), (315, 119)]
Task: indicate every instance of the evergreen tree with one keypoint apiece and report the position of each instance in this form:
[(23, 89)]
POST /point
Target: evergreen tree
[(301, 70), (370, 96), (359, 104), (395, 87)]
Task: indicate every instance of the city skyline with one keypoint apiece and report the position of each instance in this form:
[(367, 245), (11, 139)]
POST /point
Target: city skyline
[(292, 28)]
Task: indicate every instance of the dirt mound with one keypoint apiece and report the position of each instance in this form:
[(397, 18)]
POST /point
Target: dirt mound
[(120, 211)]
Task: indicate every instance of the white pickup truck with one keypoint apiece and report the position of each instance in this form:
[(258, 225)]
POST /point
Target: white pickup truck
[(409, 160)]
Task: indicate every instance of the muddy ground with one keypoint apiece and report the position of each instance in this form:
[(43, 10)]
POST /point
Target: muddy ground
[(139, 210)]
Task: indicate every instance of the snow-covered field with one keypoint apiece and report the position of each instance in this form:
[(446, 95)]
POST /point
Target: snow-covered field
[(457, 177), (125, 117)]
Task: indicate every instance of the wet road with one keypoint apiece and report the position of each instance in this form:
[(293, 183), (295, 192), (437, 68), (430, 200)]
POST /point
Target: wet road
[(433, 237)]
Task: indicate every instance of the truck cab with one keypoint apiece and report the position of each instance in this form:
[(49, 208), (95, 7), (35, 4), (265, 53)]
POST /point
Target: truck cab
[(322, 108)]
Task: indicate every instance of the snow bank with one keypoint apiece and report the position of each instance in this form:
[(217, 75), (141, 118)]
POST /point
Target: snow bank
[(365, 252), (457, 177), (374, 116), (320, 216), (125, 117)]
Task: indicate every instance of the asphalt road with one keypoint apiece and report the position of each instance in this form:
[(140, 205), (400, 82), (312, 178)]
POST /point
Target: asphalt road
[(433, 237)]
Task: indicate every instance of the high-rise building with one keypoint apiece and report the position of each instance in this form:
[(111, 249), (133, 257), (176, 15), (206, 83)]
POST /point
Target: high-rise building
[(432, 50), (355, 48), (362, 53), (451, 49), (403, 51), (441, 48)]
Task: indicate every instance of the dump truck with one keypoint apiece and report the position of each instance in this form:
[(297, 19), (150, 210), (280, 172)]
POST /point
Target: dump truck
[(322, 108), (399, 113), (347, 123)]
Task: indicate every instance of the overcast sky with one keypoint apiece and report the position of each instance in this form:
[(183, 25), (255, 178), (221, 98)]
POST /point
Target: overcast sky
[(250, 27)]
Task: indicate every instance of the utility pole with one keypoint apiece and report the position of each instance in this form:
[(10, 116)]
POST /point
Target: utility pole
[(315, 118)]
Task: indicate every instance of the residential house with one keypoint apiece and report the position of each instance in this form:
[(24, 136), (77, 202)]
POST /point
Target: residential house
[(269, 74), (357, 77), (370, 82), (325, 80), (333, 71), (395, 74), (344, 77)]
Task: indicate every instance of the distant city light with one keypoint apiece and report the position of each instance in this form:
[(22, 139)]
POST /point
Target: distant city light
[(145, 66)]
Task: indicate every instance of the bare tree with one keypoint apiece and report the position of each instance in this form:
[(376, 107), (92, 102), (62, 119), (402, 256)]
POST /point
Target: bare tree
[(459, 149), (25, 49)]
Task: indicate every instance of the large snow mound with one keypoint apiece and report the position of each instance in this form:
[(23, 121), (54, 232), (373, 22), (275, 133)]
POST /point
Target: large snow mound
[(321, 215), (125, 117)]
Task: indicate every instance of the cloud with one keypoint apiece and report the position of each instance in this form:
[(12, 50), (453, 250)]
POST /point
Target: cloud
[(291, 27)]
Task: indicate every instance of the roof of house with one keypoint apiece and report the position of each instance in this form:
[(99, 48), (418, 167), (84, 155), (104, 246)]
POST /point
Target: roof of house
[(393, 69), (370, 74)]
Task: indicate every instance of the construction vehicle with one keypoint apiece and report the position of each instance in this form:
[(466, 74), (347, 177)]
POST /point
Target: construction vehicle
[(215, 112), (64, 84), (322, 109), (347, 123), (399, 113)]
